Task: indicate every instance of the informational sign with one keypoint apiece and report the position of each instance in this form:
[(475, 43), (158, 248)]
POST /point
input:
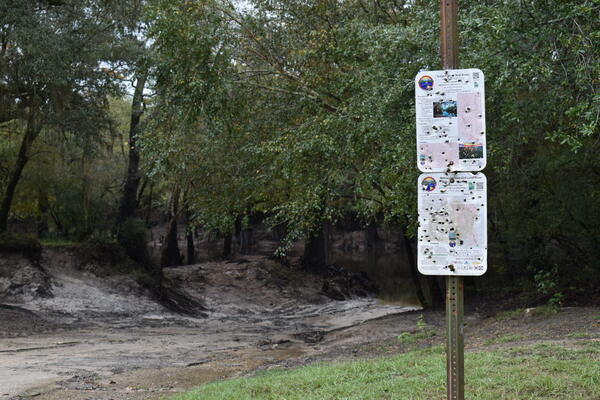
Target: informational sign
[(450, 108), (452, 237)]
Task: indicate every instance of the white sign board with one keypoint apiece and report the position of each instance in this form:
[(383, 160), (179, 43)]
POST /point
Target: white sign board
[(450, 108), (452, 237)]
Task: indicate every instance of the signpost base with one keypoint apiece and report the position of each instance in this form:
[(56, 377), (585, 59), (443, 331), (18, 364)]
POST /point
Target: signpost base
[(455, 368)]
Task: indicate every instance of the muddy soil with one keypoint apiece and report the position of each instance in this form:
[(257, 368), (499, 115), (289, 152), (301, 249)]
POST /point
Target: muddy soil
[(106, 338)]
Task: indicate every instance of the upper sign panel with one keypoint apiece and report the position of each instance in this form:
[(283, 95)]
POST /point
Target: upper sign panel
[(450, 107)]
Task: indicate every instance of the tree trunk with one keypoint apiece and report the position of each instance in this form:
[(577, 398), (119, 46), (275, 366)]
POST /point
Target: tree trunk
[(43, 210), (191, 250), (129, 201), (56, 220), (227, 245), (149, 211), (317, 252), (280, 232), (170, 254), (85, 198), (237, 225), (31, 133), (371, 236), (245, 239)]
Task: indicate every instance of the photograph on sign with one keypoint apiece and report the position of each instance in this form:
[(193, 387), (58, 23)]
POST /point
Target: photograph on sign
[(452, 237), (450, 109)]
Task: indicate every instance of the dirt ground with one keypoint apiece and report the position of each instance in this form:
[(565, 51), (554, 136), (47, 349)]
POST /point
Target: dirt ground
[(104, 338), (91, 331)]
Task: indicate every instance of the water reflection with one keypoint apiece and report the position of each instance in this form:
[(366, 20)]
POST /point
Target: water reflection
[(389, 271)]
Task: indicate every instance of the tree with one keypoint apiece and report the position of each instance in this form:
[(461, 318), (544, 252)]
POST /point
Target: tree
[(129, 200), (304, 111), (50, 74)]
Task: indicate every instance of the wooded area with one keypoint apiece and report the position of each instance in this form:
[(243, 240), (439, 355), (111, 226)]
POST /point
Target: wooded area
[(215, 113), (224, 193)]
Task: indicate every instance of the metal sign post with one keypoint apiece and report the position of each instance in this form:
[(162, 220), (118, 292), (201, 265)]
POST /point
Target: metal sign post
[(455, 365), (452, 192), (455, 342), (455, 368)]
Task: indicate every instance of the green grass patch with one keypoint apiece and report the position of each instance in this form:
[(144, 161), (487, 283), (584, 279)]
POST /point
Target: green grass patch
[(59, 243), (505, 339), (415, 337), (545, 310), (423, 332), (532, 373), (580, 335), (511, 314)]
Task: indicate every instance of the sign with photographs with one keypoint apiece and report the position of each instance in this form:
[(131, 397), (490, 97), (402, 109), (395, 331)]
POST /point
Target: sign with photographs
[(452, 237), (450, 108)]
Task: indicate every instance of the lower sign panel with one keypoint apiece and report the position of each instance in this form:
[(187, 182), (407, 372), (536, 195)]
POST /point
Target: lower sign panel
[(452, 224)]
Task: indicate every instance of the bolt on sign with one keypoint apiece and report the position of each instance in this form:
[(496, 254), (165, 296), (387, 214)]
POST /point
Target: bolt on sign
[(450, 120), (452, 237)]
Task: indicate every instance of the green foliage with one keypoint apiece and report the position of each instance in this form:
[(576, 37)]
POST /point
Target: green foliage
[(547, 284), (541, 147), (55, 83), (304, 112), (285, 121), (71, 185)]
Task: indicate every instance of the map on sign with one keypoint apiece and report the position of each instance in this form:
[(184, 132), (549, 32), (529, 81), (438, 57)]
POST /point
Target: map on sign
[(452, 224), (450, 108)]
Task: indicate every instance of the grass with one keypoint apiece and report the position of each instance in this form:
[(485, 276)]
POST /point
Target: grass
[(511, 314), (532, 373), (411, 338), (505, 339), (580, 335), (545, 310), (423, 332), (61, 243)]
